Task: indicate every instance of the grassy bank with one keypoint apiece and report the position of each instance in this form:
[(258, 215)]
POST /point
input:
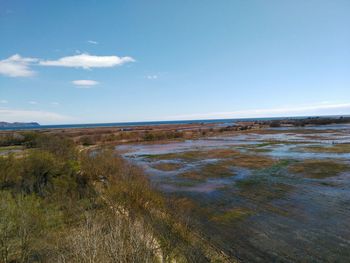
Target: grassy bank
[(59, 204)]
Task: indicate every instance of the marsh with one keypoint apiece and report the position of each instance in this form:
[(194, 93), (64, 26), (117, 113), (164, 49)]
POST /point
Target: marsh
[(280, 194)]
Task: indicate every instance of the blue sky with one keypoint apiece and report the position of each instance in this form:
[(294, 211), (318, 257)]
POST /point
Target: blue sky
[(108, 61)]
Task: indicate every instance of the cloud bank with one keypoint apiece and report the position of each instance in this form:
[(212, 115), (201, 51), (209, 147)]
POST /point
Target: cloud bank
[(315, 109), (17, 66)]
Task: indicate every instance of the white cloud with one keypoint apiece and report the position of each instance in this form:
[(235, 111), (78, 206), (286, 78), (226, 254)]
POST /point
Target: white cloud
[(92, 42), (152, 77), (43, 117), (17, 66), (3, 101), (314, 109), (54, 103), (87, 61), (32, 102), (85, 83)]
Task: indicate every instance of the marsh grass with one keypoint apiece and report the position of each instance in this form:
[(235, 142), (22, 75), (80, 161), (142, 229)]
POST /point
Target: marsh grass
[(167, 166), (233, 215), (187, 183), (216, 170), (289, 131), (337, 148), (193, 175), (194, 155), (318, 169), (260, 150), (250, 161), (261, 190), (264, 185)]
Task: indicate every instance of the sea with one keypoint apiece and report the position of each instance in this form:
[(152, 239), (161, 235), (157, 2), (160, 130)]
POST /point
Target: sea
[(219, 122)]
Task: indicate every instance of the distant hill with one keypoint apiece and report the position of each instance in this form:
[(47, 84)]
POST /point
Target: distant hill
[(4, 124)]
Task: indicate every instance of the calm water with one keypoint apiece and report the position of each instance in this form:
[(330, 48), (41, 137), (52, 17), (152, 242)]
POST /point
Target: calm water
[(220, 122), (121, 124)]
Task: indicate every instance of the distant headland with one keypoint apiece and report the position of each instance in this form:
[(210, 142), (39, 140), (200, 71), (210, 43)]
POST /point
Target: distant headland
[(4, 124)]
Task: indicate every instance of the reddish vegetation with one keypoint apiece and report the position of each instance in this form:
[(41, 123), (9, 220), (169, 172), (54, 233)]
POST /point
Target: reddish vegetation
[(250, 161)]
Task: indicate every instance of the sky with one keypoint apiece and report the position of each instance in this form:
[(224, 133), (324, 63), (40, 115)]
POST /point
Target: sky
[(90, 61)]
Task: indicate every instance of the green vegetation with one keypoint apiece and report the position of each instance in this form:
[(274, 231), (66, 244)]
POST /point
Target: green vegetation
[(61, 205), (157, 136), (233, 215), (167, 166), (6, 148), (259, 150), (319, 169), (250, 161), (187, 183), (306, 121), (261, 190), (215, 170), (210, 170), (263, 186), (193, 175)]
